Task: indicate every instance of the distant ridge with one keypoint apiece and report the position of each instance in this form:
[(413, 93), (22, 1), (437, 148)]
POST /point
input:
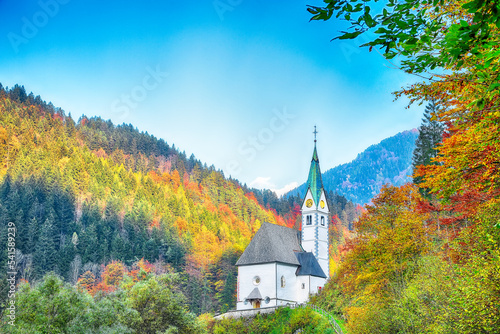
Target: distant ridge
[(361, 179)]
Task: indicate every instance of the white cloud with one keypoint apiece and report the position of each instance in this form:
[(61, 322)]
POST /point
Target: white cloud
[(262, 182), (286, 188)]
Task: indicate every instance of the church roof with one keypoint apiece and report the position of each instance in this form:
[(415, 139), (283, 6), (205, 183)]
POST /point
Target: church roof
[(272, 243), (314, 181), (309, 265), (255, 294)]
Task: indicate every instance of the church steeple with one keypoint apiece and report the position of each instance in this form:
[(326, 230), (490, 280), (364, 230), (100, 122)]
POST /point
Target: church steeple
[(315, 213), (314, 182)]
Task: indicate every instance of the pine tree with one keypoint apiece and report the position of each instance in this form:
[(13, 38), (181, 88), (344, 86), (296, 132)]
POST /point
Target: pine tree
[(89, 244), (45, 256), (431, 133), (33, 227)]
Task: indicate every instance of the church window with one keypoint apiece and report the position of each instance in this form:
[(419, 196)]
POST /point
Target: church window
[(283, 282), (309, 220), (303, 285), (256, 280), (267, 300), (322, 220)]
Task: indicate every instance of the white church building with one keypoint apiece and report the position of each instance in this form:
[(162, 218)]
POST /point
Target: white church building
[(284, 266)]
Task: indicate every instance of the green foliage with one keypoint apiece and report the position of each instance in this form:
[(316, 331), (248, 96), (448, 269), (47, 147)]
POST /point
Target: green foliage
[(152, 305), (284, 320), (426, 304), (45, 254), (49, 226), (458, 36), (161, 307), (331, 299), (477, 293), (225, 275), (55, 307), (418, 29)]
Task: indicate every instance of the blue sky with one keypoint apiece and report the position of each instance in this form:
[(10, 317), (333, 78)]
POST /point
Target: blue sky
[(238, 83)]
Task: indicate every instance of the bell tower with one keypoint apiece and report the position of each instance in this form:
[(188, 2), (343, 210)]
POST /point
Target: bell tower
[(315, 213)]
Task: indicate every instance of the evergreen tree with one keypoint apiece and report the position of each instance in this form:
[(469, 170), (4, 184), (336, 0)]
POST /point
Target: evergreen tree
[(18, 93), (45, 256), (89, 245), (33, 227), (64, 208), (118, 247), (431, 133)]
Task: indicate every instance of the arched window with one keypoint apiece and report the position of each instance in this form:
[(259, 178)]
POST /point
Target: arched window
[(283, 281), (322, 220)]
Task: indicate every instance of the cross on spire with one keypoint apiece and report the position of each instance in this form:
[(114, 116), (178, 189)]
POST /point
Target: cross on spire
[(315, 132)]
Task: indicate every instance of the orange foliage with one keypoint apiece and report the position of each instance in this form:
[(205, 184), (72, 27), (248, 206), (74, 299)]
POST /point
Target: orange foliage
[(175, 179), (57, 117), (22, 280), (207, 203), (291, 217), (207, 248), (155, 177), (390, 235), (141, 270), (155, 223), (466, 175), (193, 188), (87, 281), (251, 197), (111, 277), (101, 153), (181, 224)]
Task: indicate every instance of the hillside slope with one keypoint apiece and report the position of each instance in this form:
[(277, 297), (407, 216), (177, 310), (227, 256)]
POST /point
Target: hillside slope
[(83, 194)]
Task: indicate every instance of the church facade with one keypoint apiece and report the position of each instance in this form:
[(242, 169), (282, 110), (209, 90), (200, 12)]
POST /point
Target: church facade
[(284, 266)]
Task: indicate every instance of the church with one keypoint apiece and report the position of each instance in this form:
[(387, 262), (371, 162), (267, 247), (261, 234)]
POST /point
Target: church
[(284, 266)]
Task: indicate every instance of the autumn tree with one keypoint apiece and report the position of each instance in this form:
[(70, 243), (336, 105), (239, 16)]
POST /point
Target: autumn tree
[(87, 281), (391, 237), (112, 276)]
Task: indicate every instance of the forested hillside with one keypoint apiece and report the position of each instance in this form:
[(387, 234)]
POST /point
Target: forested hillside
[(389, 162), (83, 194)]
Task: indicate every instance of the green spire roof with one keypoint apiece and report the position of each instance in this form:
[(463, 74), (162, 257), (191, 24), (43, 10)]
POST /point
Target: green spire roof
[(314, 181)]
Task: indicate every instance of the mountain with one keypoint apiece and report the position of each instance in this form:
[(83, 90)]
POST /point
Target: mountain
[(388, 162)]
